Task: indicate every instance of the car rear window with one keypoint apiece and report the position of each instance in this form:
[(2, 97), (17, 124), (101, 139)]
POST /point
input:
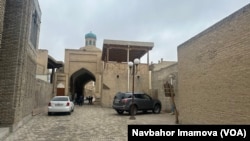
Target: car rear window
[(60, 99), (122, 96)]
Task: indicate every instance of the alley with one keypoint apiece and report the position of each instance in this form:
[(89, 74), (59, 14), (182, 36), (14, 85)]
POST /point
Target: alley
[(87, 122)]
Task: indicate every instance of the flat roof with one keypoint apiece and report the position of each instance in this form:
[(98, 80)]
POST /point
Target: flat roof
[(116, 50), (52, 63)]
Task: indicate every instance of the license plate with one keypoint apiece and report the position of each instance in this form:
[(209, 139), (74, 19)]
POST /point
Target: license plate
[(58, 104)]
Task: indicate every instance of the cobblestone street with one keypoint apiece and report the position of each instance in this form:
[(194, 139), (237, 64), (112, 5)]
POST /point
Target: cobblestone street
[(87, 122)]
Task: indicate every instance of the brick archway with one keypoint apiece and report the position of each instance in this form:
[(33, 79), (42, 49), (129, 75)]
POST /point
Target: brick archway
[(78, 81)]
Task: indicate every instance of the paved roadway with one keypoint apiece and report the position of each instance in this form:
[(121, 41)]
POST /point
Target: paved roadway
[(87, 122)]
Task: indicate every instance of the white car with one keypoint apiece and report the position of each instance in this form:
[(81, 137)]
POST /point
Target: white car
[(59, 104)]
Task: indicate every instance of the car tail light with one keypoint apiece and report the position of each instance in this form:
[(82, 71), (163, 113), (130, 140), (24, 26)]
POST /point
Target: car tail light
[(49, 104), (124, 100), (68, 104)]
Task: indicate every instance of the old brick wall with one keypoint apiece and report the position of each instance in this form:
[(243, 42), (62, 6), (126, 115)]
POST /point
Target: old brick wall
[(115, 79), (214, 73), (2, 9), (42, 61), (18, 61), (161, 74), (76, 60), (43, 93)]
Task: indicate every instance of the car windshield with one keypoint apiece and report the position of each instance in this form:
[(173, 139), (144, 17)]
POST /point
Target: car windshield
[(60, 99)]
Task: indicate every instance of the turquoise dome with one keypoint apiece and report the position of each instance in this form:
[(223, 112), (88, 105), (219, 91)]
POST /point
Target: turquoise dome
[(90, 35)]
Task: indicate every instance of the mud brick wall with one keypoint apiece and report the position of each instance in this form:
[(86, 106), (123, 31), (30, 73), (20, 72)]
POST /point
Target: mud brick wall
[(214, 73), (159, 78), (2, 9), (18, 54)]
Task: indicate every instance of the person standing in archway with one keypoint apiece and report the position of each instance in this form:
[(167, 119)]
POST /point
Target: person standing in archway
[(91, 99), (80, 100)]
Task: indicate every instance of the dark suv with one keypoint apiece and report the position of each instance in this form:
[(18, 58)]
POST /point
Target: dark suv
[(142, 102)]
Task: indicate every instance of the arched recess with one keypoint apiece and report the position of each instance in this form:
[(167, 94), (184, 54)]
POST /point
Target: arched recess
[(78, 81), (60, 89)]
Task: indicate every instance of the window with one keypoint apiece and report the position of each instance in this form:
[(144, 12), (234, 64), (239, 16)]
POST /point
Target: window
[(60, 99), (146, 97), (34, 29)]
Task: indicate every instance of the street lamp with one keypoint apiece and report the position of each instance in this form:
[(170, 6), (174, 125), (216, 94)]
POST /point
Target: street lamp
[(133, 65)]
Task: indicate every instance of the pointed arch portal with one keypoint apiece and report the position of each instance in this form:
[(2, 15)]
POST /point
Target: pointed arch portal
[(78, 81)]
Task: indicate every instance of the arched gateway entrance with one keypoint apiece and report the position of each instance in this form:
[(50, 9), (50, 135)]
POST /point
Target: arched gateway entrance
[(101, 68), (78, 80), (81, 72)]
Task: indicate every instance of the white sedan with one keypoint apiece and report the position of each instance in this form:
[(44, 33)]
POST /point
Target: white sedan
[(60, 104)]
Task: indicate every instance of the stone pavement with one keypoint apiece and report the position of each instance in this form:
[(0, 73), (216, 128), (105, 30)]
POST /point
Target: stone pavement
[(87, 122)]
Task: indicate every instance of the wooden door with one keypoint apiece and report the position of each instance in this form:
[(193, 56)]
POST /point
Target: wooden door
[(60, 92)]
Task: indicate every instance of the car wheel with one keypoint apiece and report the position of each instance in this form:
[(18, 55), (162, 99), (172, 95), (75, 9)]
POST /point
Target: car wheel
[(119, 112), (72, 110), (133, 111), (157, 109), (69, 113), (49, 113)]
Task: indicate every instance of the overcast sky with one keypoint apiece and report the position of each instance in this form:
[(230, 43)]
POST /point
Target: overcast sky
[(166, 23)]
